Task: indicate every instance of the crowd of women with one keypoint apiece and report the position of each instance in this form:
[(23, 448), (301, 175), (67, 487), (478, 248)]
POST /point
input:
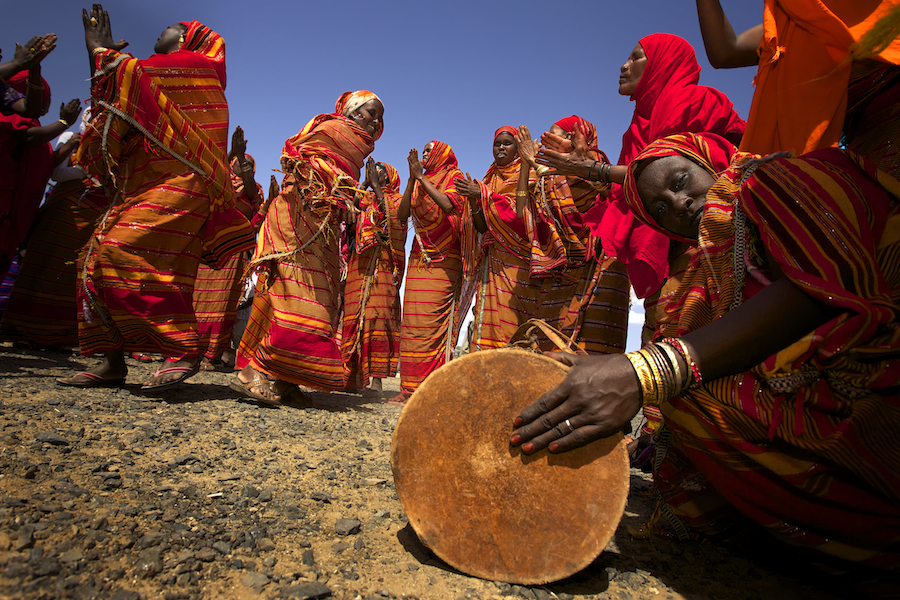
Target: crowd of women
[(768, 252)]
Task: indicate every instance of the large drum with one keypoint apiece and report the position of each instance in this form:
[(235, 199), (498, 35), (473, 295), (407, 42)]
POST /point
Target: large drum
[(483, 506)]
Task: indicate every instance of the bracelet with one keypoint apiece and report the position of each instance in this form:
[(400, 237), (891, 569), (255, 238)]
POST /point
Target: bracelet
[(33, 86), (98, 49), (644, 375), (681, 348), (672, 357), (64, 122), (521, 194), (604, 175), (541, 169), (591, 168)]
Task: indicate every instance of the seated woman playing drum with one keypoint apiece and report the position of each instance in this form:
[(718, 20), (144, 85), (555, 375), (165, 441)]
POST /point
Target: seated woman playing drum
[(776, 366)]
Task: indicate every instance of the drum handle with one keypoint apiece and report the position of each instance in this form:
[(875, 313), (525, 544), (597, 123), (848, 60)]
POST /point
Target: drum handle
[(526, 336)]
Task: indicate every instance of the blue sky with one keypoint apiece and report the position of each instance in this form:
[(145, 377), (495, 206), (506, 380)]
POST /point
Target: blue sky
[(453, 71)]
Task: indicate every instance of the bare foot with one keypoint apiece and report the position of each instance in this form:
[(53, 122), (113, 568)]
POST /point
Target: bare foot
[(374, 390)]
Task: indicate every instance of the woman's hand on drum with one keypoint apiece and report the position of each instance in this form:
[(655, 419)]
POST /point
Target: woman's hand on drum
[(597, 398)]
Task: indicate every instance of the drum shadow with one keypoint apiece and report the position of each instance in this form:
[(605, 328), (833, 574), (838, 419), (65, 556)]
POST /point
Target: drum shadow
[(594, 579), (420, 552)]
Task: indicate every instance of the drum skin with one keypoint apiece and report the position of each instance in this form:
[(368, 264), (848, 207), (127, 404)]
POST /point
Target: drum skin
[(483, 506)]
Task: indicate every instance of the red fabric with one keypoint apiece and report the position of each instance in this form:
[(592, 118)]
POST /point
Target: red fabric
[(24, 172), (667, 100)]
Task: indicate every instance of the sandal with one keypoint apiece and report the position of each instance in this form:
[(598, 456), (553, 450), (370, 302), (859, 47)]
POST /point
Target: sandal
[(246, 389), (185, 371), (93, 380), (399, 400), (141, 357), (290, 392)]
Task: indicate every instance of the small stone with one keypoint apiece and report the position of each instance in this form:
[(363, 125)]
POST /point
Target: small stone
[(347, 526), (51, 438), (265, 545), (249, 492), (307, 590), (254, 580), (321, 497), (185, 459), (223, 547), (374, 481), (205, 555), (265, 495), (149, 563), (309, 558), (185, 555), (71, 556), (339, 547)]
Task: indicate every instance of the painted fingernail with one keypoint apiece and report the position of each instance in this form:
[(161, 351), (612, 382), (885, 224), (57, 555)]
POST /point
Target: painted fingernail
[(515, 440), (529, 447), (518, 421), (553, 447)]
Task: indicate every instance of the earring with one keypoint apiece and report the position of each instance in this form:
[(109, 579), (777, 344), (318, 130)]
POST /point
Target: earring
[(181, 39)]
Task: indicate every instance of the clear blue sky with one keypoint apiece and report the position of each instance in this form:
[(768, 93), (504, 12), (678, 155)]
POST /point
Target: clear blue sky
[(452, 71)]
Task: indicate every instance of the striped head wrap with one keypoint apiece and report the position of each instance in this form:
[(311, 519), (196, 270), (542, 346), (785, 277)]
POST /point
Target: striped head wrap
[(441, 158), (505, 129), (712, 152), (393, 182), (200, 39)]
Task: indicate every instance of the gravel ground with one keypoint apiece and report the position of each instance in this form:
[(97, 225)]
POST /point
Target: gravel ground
[(109, 493)]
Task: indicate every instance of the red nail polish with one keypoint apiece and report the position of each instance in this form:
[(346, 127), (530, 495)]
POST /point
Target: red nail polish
[(515, 440), (518, 421), (554, 447), (529, 447)]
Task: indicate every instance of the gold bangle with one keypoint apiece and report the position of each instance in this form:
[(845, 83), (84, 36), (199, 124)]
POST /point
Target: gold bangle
[(64, 122), (521, 194), (33, 86), (98, 49), (681, 378), (541, 169), (645, 377)]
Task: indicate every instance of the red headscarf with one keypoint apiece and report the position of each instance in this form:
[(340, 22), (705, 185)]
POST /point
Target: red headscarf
[(24, 171), (587, 129), (667, 100)]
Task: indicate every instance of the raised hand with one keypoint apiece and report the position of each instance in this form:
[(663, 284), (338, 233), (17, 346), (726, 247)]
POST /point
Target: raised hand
[(565, 157), (467, 187), (69, 111), (274, 190), (98, 30), (597, 398), (238, 143), (415, 167), (528, 148)]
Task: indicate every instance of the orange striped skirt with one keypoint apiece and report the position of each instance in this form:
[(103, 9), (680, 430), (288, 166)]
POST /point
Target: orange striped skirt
[(138, 271), (507, 296), (217, 293), (370, 342), (430, 318)]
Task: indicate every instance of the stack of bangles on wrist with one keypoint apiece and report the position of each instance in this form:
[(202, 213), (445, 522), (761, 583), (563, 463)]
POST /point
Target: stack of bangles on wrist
[(659, 372), (541, 169), (64, 122), (602, 172)]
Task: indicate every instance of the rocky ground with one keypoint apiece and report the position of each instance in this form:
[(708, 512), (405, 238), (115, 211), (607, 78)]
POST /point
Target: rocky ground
[(192, 493)]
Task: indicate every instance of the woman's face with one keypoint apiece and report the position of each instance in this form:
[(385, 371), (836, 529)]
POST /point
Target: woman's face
[(505, 149), (370, 116), (673, 190), (631, 72), (382, 176), (426, 151), (170, 39)]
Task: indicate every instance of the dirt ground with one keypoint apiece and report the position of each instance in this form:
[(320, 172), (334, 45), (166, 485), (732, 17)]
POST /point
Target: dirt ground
[(194, 493)]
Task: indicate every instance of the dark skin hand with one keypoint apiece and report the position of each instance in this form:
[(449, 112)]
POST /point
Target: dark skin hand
[(40, 135), (724, 48), (99, 35), (417, 174), (245, 167), (528, 149), (573, 157), (30, 57), (471, 189)]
